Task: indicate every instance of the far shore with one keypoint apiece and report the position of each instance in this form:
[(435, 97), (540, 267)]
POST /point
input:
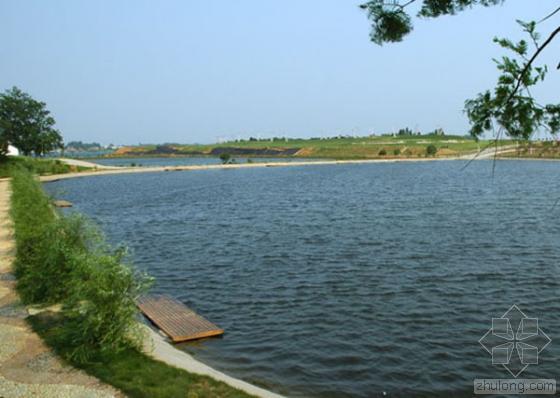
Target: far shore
[(111, 170)]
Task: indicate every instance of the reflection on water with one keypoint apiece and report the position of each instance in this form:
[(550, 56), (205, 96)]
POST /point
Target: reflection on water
[(349, 280)]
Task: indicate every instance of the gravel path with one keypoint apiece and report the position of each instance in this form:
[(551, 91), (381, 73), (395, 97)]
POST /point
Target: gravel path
[(27, 367), (83, 163)]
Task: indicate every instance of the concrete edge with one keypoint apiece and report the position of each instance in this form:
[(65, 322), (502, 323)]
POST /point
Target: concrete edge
[(157, 347)]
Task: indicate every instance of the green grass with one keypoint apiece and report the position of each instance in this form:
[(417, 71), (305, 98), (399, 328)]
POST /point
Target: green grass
[(135, 373), (35, 166)]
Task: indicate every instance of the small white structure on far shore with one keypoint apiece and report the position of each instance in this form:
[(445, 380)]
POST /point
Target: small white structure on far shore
[(12, 151)]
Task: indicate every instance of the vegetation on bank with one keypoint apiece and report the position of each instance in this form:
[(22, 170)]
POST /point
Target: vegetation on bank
[(9, 165), (65, 260)]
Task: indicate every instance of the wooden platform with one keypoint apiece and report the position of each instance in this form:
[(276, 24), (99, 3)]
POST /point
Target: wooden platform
[(175, 319), (62, 203)]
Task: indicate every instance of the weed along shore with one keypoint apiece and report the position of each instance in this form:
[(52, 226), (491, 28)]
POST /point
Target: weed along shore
[(82, 293)]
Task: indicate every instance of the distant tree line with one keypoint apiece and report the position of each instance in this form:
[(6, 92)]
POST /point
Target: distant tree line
[(403, 132), (83, 146), (406, 132), (26, 124)]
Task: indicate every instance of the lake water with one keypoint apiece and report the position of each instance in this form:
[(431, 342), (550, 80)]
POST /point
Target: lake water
[(186, 161), (347, 280)]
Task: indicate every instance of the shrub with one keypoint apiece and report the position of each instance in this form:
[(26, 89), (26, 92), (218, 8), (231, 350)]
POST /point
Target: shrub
[(101, 308), (431, 150), (397, 152), (45, 272), (225, 158), (382, 152)]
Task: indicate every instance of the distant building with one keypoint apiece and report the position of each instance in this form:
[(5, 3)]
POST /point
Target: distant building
[(12, 151)]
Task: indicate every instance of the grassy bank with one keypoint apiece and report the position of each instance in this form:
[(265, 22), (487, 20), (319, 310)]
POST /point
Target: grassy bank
[(383, 147), (64, 260), (36, 166)]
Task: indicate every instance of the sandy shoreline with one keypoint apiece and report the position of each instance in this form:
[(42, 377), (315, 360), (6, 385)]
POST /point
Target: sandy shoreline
[(156, 169)]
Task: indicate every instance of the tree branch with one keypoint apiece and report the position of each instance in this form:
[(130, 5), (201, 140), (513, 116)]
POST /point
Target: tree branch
[(401, 6), (408, 3), (530, 62), (550, 15)]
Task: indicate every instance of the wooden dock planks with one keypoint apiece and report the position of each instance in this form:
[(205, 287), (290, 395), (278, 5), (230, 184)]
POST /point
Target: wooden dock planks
[(175, 319)]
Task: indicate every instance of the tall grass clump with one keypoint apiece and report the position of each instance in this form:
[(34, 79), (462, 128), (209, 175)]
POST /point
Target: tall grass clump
[(65, 260), (33, 220)]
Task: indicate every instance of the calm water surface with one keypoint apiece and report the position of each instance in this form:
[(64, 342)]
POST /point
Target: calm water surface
[(349, 280)]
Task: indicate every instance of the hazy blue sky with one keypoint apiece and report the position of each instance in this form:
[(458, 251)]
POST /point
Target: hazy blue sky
[(196, 71)]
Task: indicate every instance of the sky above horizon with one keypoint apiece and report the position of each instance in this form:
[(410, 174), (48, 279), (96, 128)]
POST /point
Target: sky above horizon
[(139, 71)]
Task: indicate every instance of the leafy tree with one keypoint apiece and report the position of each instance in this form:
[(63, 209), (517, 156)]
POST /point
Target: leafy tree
[(509, 108), (27, 124), (3, 143), (391, 21)]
